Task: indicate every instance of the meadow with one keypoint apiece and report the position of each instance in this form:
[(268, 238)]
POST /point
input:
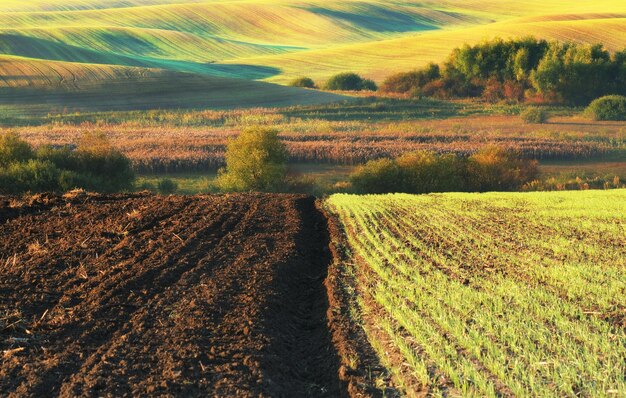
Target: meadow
[(497, 294), (326, 142)]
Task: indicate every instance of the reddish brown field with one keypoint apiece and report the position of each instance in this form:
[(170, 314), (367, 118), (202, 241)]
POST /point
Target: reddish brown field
[(168, 146), (161, 296)]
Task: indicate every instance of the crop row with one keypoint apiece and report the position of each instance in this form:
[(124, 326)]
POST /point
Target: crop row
[(496, 294), (158, 149)]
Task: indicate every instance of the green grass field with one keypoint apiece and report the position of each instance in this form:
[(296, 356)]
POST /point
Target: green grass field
[(496, 294), (95, 88), (85, 43)]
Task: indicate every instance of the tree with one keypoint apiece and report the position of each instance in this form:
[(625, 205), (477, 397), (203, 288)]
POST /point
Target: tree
[(349, 81), (577, 73), (255, 161), (305, 82)]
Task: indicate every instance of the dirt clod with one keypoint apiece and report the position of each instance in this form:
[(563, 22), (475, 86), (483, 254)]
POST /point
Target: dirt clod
[(130, 295)]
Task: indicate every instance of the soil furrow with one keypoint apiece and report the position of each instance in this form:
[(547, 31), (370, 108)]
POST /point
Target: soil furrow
[(165, 296)]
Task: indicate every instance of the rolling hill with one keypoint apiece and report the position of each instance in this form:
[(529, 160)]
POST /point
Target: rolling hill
[(271, 40), (35, 87), (372, 59)]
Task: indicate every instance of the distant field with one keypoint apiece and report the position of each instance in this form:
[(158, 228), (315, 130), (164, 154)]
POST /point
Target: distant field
[(44, 41), (346, 134), (34, 88), (497, 294)]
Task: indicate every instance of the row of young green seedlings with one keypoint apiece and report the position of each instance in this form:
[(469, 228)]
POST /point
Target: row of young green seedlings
[(496, 363)]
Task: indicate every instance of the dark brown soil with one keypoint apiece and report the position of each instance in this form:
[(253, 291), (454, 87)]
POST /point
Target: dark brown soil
[(361, 369), (140, 295)]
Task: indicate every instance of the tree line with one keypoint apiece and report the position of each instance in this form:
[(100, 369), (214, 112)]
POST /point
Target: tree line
[(519, 69)]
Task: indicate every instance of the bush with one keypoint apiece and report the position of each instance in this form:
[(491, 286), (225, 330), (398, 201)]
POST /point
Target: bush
[(95, 166), (167, 186), (534, 115), (304, 82), (13, 149), (610, 107), (349, 82), (30, 176), (493, 91), (377, 176), (423, 172), (495, 169), (255, 161), (411, 82), (368, 85)]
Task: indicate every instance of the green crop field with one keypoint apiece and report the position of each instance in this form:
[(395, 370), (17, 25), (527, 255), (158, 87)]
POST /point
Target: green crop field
[(81, 43), (71, 88), (496, 294)]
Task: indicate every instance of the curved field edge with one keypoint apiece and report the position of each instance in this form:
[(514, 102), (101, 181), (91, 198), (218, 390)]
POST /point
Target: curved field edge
[(362, 371), (63, 87), (413, 289), (280, 39)]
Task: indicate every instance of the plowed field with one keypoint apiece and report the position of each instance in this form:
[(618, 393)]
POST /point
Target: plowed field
[(143, 295)]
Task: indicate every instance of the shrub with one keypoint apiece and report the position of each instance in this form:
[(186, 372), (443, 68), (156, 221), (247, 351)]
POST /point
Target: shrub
[(146, 186), (423, 172), (304, 82), (377, 176), (411, 82), (14, 149), (610, 107), (368, 85), (534, 115), (107, 169), (96, 166), (30, 176), (514, 90), (495, 169), (255, 161), (349, 81), (493, 90), (167, 186)]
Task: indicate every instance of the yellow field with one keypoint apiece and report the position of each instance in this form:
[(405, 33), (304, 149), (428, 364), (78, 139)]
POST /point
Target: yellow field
[(374, 61), (274, 40)]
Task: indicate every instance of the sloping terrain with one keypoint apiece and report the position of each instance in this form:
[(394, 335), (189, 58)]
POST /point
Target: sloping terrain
[(159, 296), (488, 295), (186, 35), (37, 87), (379, 59), (272, 40)]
